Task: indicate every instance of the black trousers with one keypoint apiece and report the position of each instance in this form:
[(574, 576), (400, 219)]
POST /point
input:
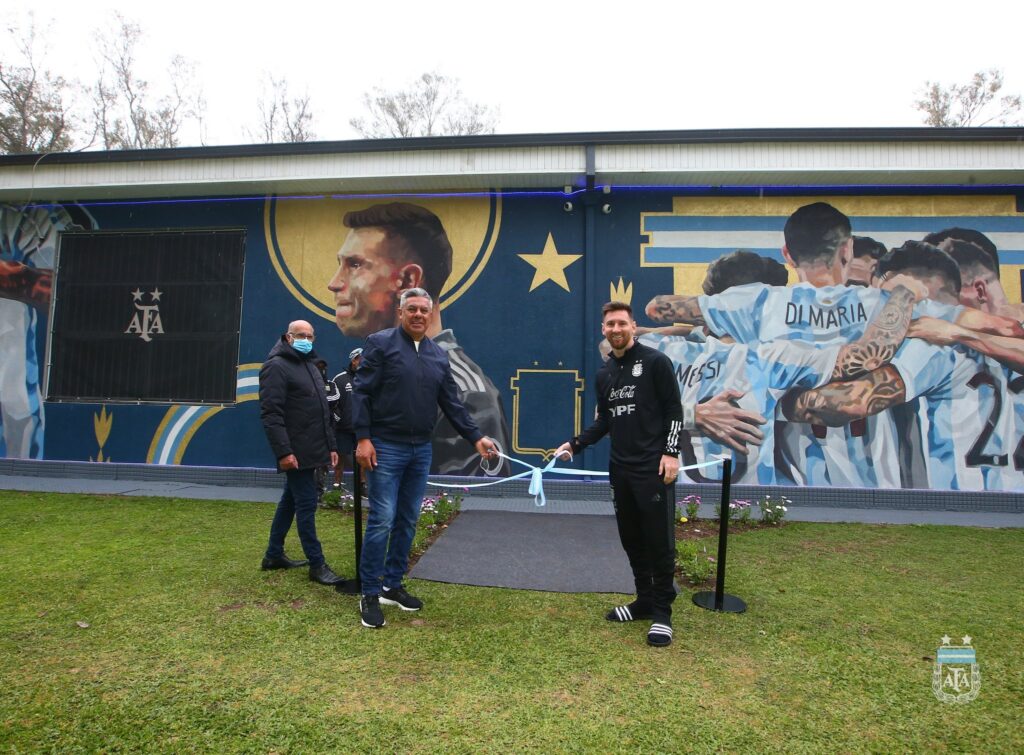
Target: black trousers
[(645, 514)]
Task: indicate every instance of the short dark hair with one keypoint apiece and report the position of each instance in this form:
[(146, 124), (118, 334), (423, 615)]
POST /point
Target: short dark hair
[(815, 232), (865, 246), (422, 231), (741, 267), (616, 306), (918, 257), (972, 259), (969, 235)]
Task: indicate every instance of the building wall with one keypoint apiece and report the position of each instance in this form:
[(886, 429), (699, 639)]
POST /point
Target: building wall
[(523, 299)]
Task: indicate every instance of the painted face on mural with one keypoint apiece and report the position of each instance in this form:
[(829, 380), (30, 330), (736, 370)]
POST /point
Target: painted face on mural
[(860, 271), (619, 328), (367, 282)]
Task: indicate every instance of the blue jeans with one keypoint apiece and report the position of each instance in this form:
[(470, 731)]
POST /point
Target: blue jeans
[(396, 492), (298, 502)]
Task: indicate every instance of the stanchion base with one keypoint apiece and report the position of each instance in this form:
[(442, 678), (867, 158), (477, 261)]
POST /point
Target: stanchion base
[(730, 603), (349, 587)]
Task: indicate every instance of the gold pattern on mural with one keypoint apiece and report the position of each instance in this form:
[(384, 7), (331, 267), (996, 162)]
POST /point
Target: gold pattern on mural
[(549, 265), (571, 379), (303, 237), (620, 292), (101, 425)]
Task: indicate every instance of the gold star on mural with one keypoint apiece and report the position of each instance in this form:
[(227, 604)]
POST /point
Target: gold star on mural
[(549, 265)]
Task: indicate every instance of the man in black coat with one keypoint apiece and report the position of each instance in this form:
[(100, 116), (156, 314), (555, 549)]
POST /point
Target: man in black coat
[(297, 420)]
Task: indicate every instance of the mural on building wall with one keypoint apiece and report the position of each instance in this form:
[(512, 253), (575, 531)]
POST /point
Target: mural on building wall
[(941, 409), (351, 261), (800, 333), (28, 245)]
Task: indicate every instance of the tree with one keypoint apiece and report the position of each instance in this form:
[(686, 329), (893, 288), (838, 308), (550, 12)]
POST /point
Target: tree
[(35, 115), (124, 112), (971, 104), (432, 105), (283, 118)]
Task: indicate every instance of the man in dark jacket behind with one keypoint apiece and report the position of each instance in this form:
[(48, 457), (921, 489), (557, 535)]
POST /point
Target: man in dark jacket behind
[(342, 412), (403, 379), (297, 420)]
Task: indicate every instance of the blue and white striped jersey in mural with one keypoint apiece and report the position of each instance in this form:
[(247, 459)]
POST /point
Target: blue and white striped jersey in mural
[(764, 373), (860, 454), (959, 388), (1014, 473), (27, 237), (759, 313)]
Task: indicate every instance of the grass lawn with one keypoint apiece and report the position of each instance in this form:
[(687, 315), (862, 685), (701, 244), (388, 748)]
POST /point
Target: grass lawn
[(190, 648)]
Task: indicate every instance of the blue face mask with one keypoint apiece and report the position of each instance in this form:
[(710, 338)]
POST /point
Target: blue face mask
[(302, 345)]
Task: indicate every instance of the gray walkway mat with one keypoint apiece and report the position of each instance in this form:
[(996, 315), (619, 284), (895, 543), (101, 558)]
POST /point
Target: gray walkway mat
[(555, 552)]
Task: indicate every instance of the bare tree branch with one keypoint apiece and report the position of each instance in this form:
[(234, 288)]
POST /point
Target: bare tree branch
[(34, 112), (433, 105), (124, 111), (282, 118), (973, 104)]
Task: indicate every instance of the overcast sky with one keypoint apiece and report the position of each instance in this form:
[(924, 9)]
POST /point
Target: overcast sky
[(567, 66)]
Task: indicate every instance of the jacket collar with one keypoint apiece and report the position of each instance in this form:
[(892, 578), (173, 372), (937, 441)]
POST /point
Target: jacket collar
[(628, 354), (408, 338)]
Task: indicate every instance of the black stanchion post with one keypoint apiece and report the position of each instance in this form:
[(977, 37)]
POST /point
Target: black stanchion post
[(718, 600), (354, 586), (357, 509)]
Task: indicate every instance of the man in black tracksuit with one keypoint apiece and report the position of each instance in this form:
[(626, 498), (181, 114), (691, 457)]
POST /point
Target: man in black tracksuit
[(638, 405)]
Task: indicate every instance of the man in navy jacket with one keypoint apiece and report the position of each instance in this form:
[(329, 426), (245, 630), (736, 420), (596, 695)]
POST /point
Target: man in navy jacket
[(297, 421), (402, 380)]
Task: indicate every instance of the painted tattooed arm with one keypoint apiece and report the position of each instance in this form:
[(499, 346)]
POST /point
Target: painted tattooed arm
[(673, 308), (1006, 351), (837, 404), (28, 285), (994, 325), (884, 334)]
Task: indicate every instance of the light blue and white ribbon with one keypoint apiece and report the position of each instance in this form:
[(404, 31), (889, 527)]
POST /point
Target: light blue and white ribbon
[(536, 475)]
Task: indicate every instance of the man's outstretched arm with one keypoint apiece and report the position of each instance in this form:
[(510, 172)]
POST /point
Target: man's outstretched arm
[(994, 325), (29, 285), (884, 334), (1006, 351), (837, 404), (674, 308)]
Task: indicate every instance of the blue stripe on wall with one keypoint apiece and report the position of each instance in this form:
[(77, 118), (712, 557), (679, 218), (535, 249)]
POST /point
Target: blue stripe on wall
[(922, 225)]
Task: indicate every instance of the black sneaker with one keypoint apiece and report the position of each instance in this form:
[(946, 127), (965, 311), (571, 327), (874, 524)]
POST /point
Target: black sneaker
[(399, 597), (369, 612), (660, 634)]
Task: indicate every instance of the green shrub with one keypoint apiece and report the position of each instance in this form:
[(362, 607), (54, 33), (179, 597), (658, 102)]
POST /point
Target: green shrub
[(773, 509), (694, 561)]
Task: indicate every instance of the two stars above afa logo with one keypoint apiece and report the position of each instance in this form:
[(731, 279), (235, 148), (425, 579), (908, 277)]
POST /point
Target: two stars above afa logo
[(146, 320)]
